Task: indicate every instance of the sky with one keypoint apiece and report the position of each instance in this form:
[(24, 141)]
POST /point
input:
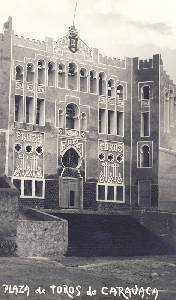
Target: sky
[(117, 28)]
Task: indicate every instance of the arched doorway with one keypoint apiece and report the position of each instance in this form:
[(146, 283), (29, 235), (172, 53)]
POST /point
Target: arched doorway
[(70, 181)]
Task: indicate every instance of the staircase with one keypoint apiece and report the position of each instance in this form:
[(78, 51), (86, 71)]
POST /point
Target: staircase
[(97, 235)]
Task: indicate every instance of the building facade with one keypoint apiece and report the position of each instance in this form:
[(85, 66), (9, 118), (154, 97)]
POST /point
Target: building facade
[(79, 130)]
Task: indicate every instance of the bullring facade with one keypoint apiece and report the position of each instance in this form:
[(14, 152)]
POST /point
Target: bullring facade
[(83, 131)]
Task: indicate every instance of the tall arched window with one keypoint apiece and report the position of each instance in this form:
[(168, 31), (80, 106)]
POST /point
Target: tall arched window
[(83, 80), (51, 74), (93, 82), (30, 73), (72, 116), (72, 76), (61, 76), (102, 84), (111, 88), (145, 157), (41, 72), (120, 92), (146, 92), (19, 73)]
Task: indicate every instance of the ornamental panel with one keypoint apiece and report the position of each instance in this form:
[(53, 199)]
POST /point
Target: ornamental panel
[(28, 154), (111, 162)]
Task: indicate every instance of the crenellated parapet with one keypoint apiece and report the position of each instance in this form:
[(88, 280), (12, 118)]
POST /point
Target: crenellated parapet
[(29, 43), (118, 63)]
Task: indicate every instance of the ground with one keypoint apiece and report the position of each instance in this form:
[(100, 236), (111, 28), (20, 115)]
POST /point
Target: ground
[(158, 272)]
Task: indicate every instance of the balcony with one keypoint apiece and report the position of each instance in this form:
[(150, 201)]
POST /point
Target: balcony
[(19, 84), (41, 88)]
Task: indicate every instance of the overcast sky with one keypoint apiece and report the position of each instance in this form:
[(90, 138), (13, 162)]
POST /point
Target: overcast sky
[(117, 28)]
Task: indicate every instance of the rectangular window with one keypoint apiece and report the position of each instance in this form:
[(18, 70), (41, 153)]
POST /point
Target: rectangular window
[(101, 192), (119, 123), (38, 188), (18, 108), (145, 124), (29, 110), (110, 193), (17, 184), (119, 193), (102, 120), (40, 112), (72, 198), (27, 187), (111, 126)]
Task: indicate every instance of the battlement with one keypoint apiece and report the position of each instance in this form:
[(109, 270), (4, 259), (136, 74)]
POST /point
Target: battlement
[(118, 63), (145, 64), (29, 43)]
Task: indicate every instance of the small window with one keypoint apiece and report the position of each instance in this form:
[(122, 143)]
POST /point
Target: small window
[(19, 73), (30, 73), (83, 80), (40, 112), (18, 108), (72, 76), (145, 124), (111, 88), (145, 157), (72, 113), (27, 187), (120, 92), (72, 198), (93, 82), (61, 76), (83, 121), (110, 193), (119, 193), (111, 126), (41, 72), (38, 188), (101, 192), (102, 84), (119, 123), (102, 120), (29, 110), (146, 92), (51, 74)]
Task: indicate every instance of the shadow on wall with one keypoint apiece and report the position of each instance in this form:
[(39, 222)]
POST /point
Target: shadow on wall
[(95, 235)]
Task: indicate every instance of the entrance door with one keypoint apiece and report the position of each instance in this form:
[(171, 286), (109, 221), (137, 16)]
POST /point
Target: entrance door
[(144, 193), (70, 193)]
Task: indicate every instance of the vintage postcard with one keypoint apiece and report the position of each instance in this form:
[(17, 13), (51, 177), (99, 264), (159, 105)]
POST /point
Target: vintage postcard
[(88, 150)]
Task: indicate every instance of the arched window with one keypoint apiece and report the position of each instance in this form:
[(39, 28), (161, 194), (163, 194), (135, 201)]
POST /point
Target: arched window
[(120, 92), (61, 76), (93, 82), (72, 76), (70, 159), (30, 73), (83, 121), (146, 92), (102, 84), (83, 80), (41, 72), (72, 116), (19, 73), (51, 74), (111, 88), (145, 157)]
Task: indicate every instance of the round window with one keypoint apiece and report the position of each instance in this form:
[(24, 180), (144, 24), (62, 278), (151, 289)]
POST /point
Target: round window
[(28, 149), (18, 148), (110, 157), (119, 158), (39, 150), (101, 157)]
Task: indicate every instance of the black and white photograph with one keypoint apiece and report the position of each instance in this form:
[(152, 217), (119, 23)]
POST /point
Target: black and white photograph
[(88, 150)]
